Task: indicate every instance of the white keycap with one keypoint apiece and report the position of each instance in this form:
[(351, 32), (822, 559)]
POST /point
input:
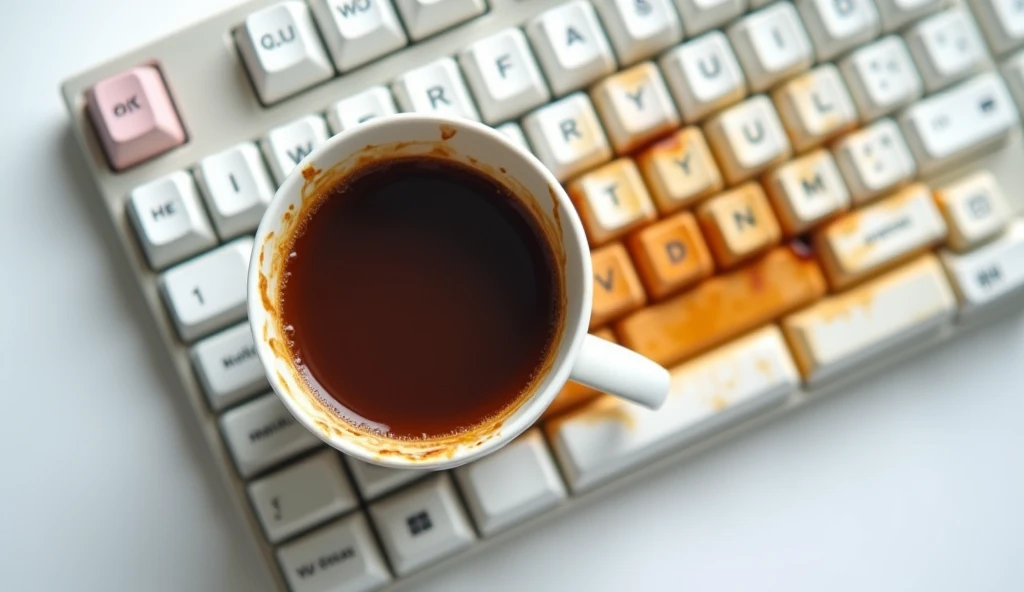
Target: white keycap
[(208, 292), (503, 76), (228, 367), (991, 275), (874, 160), (772, 45), (807, 190), (237, 189), (262, 433), (423, 18), (169, 221), (882, 77), (571, 46), (815, 107), (700, 15), (282, 51), (567, 137), (437, 89), (639, 29), (342, 557), (609, 437), (974, 208), (302, 495), (374, 480), (836, 26), (513, 484), (375, 101), (946, 47), (747, 138), (513, 132), (703, 75), (286, 146), (959, 122), (896, 13), (1002, 22), (635, 107), (422, 524), (1013, 72), (885, 315), (874, 237), (358, 31)]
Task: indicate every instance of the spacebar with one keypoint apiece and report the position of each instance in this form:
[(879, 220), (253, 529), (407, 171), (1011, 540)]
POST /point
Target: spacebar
[(610, 437)]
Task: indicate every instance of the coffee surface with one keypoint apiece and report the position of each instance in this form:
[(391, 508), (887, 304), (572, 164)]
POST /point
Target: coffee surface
[(421, 298)]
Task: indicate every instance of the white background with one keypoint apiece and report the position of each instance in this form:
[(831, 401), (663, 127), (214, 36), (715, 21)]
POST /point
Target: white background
[(914, 480)]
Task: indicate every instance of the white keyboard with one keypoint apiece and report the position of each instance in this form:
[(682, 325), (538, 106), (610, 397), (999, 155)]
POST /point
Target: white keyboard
[(779, 197)]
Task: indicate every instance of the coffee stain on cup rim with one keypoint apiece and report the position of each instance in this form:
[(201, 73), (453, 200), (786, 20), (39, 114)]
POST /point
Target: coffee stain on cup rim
[(317, 185)]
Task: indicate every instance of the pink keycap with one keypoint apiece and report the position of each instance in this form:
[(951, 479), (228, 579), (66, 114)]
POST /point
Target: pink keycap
[(134, 116)]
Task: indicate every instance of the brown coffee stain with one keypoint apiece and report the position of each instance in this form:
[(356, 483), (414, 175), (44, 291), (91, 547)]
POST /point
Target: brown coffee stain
[(309, 172), (448, 132)]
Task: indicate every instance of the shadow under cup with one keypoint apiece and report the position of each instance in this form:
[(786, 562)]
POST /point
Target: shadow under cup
[(344, 157)]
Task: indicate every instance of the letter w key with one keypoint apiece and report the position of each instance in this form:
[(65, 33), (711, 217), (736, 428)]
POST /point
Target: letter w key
[(358, 31)]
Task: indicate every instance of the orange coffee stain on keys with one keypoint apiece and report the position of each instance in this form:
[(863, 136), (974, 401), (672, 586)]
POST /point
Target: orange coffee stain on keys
[(680, 170), (617, 289), (670, 254), (604, 408), (611, 98), (723, 307), (574, 394), (739, 224), (611, 201)]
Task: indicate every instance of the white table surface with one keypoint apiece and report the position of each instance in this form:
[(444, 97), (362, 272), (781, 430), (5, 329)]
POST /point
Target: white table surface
[(913, 480)]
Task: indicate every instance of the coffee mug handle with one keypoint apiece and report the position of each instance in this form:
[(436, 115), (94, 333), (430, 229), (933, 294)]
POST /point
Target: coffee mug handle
[(622, 372)]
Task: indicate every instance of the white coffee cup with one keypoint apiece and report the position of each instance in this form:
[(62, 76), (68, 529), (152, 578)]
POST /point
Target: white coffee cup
[(578, 356)]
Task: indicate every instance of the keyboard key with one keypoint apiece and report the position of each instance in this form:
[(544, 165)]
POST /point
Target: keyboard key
[(422, 524), (896, 13), (617, 289), (1002, 22), (503, 75), (879, 236), (570, 46), (700, 15), (375, 101), (704, 76), (747, 139), (739, 224), (513, 132), (609, 437), (946, 47), (635, 107), (874, 160), (169, 220), (772, 45), (374, 480), (885, 315), (574, 394), (639, 29), (208, 293), (567, 137), (134, 117), (342, 557), (882, 77), (262, 433), (1013, 72), (974, 209), (513, 484), (836, 26), (302, 495), (680, 170), (989, 276), (423, 18), (959, 122), (237, 189), (670, 254), (611, 201), (282, 51), (437, 89), (815, 107), (228, 367), (286, 146), (358, 31), (722, 307), (806, 191)]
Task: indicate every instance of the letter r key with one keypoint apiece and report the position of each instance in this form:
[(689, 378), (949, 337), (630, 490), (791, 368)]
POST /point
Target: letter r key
[(134, 117)]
